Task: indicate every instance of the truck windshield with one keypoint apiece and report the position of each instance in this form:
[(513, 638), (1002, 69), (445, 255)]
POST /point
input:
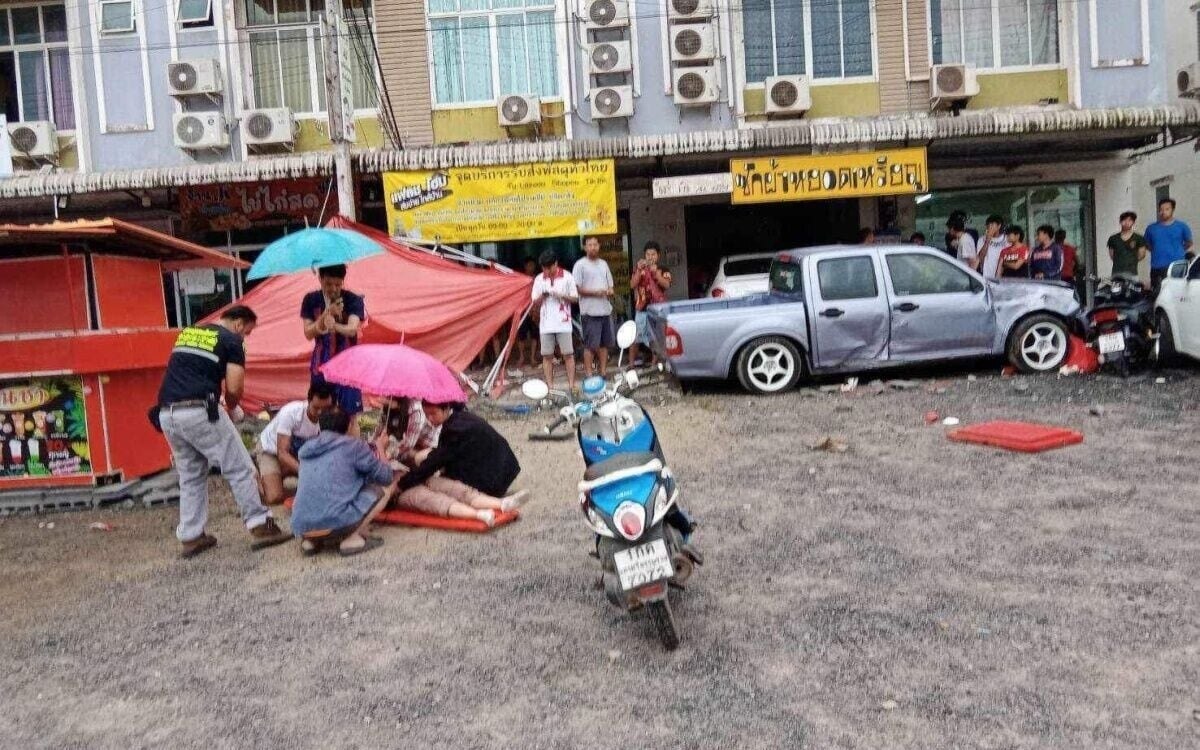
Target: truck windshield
[(785, 278)]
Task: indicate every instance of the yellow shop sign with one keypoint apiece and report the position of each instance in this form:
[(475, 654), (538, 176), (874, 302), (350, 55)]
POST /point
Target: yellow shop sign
[(771, 179), (512, 202)]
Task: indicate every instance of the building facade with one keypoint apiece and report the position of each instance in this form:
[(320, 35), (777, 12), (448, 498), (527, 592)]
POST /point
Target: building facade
[(207, 117)]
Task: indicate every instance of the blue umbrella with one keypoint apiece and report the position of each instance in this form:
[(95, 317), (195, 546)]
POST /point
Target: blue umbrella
[(310, 249)]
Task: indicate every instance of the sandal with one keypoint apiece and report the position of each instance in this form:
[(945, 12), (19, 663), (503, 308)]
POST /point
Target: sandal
[(371, 543)]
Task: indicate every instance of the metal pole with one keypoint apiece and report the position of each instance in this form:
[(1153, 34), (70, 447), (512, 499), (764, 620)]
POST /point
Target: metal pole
[(332, 38)]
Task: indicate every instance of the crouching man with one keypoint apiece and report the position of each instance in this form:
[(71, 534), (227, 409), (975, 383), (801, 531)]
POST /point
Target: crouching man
[(282, 438), (340, 489), (467, 474)]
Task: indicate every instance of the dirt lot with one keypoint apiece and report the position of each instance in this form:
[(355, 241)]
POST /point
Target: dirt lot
[(911, 592)]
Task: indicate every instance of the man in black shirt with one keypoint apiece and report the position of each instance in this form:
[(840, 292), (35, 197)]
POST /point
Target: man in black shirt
[(202, 434)]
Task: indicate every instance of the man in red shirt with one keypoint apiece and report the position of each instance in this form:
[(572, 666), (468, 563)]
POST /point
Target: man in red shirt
[(1069, 254), (649, 287)]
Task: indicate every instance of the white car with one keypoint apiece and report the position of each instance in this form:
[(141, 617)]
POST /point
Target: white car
[(1177, 311), (739, 275)]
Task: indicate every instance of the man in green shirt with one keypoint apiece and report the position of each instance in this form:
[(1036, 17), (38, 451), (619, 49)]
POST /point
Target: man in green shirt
[(1127, 248)]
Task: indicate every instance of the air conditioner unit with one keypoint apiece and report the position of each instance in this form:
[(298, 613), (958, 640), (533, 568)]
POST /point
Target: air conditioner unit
[(609, 57), (606, 14), (196, 131), (952, 83), (518, 110), (687, 10), (1188, 81), (269, 127), (34, 140), (612, 101), (692, 42), (788, 95), (695, 86), (188, 77)]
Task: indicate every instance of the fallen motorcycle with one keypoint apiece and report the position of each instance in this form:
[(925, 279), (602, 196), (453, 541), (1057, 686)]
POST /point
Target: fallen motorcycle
[(1121, 325)]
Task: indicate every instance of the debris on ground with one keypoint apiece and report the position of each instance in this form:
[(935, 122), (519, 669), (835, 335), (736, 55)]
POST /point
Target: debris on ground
[(889, 705), (932, 417), (843, 408), (849, 385), (1008, 371), (100, 526), (971, 378), (831, 389), (903, 385), (876, 387), (830, 445), (1067, 371), (1096, 410), (951, 421), (1160, 381), (614, 655), (1021, 386)]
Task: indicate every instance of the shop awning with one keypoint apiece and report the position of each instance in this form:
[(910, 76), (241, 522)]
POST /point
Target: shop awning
[(804, 134), (37, 184), (112, 236)]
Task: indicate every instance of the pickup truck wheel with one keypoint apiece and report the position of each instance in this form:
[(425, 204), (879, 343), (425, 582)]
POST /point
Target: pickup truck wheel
[(769, 365), (1039, 344)]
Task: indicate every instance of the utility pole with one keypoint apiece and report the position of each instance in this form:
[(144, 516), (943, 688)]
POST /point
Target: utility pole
[(339, 103)]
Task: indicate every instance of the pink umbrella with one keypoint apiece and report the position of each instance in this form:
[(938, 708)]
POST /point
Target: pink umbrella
[(394, 370)]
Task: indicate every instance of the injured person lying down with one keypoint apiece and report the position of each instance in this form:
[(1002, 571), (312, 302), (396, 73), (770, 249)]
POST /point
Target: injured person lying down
[(467, 474)]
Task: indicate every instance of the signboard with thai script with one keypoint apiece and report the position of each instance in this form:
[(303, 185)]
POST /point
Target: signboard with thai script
[(772, 179), (510, 202), (719, 183), (43, 428), (217, 208)]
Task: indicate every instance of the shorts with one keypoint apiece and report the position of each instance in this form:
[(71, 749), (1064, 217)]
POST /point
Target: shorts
[(598, 332), (436, 496), (268, 463), (564, 341), (348, 399), (643, 327)]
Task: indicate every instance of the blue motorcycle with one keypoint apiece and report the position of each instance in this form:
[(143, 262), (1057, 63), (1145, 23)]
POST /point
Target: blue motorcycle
[(628, 495)]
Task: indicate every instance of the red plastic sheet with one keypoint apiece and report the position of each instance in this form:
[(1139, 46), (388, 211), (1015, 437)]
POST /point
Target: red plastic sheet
[(1025, 437), (412, 297)]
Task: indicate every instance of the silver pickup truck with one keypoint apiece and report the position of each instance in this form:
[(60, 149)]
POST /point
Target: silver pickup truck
[(842, 309)]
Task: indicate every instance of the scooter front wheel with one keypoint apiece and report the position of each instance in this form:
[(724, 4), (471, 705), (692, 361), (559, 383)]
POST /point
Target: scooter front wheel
[(664, 623)]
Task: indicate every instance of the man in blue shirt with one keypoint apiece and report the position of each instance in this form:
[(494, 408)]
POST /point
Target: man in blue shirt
[(1169, 241), (332, 318)]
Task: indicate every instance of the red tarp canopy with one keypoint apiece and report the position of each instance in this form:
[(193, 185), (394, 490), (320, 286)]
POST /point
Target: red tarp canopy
[(414, 297)]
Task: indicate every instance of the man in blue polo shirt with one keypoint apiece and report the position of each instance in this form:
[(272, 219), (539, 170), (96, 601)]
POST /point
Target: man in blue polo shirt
[(332, 318), (1169, 240)]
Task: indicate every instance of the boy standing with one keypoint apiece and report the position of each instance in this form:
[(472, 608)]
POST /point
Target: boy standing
[(554, 290), (332, 317), (1169, 241), (649, 288), (1046, 260), (595, 283), (990, 247), (1126, 248)]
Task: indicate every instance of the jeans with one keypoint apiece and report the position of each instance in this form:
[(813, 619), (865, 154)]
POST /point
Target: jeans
[(197, 445)]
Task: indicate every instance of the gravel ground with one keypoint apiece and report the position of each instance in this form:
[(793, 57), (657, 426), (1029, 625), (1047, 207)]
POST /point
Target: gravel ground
[(910, 592)]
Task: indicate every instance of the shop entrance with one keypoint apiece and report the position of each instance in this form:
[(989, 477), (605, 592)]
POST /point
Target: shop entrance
[(717, 230)]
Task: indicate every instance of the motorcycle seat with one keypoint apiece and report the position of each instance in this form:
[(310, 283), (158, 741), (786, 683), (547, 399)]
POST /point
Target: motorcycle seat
[(619, 462)]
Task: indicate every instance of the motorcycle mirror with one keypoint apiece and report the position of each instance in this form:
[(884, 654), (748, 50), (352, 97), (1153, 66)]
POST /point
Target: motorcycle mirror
[(535, 390), (631, 378), (626, 334)]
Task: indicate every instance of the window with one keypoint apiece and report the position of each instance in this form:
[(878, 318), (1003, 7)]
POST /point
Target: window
[(287, 64), (117, 17), (786, 278), (748, 266), (847, 278), (823, 38), (483, 49), (194, 13), (926, 274), (35, 74), (994, 33)]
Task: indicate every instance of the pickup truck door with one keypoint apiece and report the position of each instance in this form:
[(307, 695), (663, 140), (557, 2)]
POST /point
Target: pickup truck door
[(850, 314), (938, 309)]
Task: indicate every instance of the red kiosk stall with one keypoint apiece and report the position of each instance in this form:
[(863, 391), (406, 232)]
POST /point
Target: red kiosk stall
[(84, 341)]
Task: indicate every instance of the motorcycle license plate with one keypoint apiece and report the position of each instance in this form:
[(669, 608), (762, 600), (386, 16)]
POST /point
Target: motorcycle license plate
[(642, 565), (1112, 342)]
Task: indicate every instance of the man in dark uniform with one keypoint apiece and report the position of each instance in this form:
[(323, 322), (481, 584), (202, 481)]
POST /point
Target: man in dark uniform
[(202, 434), (332, 317)]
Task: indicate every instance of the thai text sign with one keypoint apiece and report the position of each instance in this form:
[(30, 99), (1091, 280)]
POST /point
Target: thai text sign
[(513, 202), (43, 428), (218, 208), (770, 179)]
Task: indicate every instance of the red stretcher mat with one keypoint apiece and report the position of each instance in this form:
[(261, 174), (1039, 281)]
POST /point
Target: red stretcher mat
[(1025, 437), (398, 517)]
